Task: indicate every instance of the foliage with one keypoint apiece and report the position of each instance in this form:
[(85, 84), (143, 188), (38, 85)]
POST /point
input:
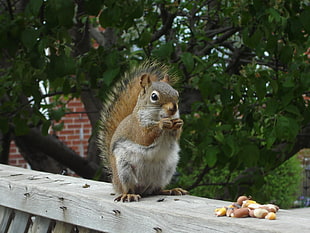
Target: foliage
[(247, 60), (281, 186)]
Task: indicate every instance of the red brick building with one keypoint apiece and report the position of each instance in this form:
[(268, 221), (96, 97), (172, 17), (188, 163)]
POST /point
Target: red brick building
[(75, 134)]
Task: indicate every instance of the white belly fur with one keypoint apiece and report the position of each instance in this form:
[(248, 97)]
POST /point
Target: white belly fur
[(147, 168)]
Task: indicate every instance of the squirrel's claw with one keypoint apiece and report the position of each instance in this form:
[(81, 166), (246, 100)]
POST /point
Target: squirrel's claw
[(128, 197), (177, 123), (165, 123), (174, 192)]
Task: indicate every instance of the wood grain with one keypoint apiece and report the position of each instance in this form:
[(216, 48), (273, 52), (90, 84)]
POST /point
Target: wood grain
[(20, 222), (89, 204), (40, 225)]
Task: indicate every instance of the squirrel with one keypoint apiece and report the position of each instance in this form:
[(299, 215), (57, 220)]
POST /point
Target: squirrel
[(139, 133)]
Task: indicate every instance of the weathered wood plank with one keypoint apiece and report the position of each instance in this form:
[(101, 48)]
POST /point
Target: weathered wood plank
[(20, 222), (84, 230), (6, 216), (3, 211), (62, 227), (40, 225), (70, 200)]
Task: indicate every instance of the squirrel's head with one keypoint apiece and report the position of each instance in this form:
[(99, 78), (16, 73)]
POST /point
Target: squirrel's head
[(158, 97)]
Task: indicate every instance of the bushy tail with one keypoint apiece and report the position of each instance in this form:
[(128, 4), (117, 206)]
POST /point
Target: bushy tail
[(122, 99)]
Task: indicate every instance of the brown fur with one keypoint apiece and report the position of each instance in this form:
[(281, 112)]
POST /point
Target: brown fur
[(122, 100), (119, 115)]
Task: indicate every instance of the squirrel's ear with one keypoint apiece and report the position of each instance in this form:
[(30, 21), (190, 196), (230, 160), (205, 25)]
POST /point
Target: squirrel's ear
[(145, 80), (165, 79)]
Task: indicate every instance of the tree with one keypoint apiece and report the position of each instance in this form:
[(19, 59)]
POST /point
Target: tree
[(243, 66)]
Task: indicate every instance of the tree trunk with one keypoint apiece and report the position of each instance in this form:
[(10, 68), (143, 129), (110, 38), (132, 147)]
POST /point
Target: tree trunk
[(5, 140)]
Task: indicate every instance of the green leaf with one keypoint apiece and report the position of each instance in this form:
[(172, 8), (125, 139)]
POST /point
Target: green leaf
[(270, 139), (272, 44), (20, 126), (211, 157), (188, 61), (30, 37), (164, 51), (274, 16), (4, 125), (286, 54), (260, 88), (287, 97), (289, 82), (219, 136), (295, 29), (231, 142), (61, 65), (110, 16), (33, 7), (59, 13), (112, 59), (45, 127), (109, 75), (59, 126), (286, 128), (204, 85), (255, 39), (305, 80), (144, 39), (37, 60), (138, 10), (92, 7), (249, 155), (305, 18), (57, 114), (274, 85), (292, 109)]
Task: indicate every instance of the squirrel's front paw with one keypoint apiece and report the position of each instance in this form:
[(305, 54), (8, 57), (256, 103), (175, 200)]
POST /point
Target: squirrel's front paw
[(165, 123), (128, 197), (177, 123)]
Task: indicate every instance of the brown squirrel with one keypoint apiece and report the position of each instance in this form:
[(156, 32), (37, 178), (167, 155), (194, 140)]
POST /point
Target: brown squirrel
[(139, 132)]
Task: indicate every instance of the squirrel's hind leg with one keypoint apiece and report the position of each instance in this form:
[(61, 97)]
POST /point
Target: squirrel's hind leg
[(173, 192), (126, 197)]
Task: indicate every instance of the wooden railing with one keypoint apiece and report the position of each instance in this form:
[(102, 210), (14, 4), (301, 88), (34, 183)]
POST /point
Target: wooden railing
[(39, 202)]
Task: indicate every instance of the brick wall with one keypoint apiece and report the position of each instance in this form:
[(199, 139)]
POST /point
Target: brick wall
[(15, 158), (77, 128), (75, 134)]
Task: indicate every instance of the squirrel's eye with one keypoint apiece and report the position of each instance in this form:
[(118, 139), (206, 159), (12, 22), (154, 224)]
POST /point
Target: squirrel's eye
[(154, 96)]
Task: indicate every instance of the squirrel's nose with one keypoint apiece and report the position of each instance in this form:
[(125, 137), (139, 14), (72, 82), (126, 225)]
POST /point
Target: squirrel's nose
[(171, 108)]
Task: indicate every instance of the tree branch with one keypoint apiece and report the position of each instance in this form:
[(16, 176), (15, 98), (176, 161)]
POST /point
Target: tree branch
[(235, 62), (167, 19), (213, 32), (52, 147), (219, 40), (9, 6), (200, 177), (302, 141), (92, 106)]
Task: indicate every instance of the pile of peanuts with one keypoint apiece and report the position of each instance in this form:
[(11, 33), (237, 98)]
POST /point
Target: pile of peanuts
[(246, 207)]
